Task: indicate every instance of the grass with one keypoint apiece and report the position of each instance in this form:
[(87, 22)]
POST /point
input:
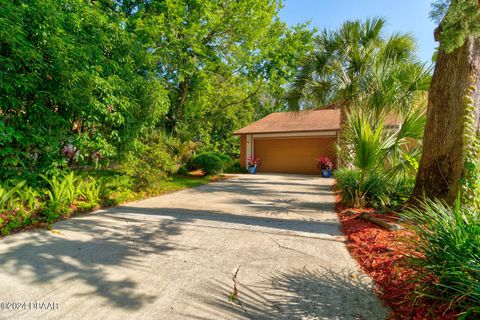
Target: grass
[(172, 184)]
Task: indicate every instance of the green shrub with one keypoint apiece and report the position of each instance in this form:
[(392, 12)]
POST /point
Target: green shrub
[(227, 160), (150, 165), (183, 169), (379, 191), (236, 167), (209, 162), (347, 184), (446, 254)]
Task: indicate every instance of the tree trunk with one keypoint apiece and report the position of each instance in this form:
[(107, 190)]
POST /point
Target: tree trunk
[(444, 143), (343, 152)]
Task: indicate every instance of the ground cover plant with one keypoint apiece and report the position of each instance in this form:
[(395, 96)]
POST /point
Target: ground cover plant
[(69, 193)]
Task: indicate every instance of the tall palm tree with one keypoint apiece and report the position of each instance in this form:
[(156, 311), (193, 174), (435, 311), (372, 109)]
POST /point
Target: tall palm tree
[(355, 67)]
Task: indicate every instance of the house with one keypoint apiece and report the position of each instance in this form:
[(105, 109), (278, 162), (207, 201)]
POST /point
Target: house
[(289, 142)]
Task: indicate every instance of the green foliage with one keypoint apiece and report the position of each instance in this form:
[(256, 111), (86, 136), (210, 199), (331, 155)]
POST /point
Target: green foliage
[(61, 193), (356, 67), (210, 162), (378, 191), (445, 254), (236, 167), (458, 20), (23, 205), (29, 197), (72, 73), (90, 191), (385, 159), (8, 196), (470, 191), (222, 62), (150, 162), (227, 161)]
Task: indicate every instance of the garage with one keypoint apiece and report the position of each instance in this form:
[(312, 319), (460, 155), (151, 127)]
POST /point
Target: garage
[(292, 155), (289, 142)]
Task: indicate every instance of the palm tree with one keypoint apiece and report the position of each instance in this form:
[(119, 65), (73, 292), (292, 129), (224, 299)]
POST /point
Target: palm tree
[(355, 67), (387, 153)]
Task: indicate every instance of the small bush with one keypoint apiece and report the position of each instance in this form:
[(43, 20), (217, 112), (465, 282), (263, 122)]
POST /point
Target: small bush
[(379, 190), (445, 252), (236, 167), (209, 162), (347, 184), (150, 165), (227, 161)]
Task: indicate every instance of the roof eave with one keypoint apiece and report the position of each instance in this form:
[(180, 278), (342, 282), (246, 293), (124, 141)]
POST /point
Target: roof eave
[(237, 133)]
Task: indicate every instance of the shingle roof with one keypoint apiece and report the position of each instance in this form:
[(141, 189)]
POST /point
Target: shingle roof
[(302, 121)]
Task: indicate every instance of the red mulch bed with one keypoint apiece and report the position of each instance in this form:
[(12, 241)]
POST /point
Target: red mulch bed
[(382, 257)]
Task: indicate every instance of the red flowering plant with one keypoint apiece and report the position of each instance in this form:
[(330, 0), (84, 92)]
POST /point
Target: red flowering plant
[(252, 161), (324, 163)]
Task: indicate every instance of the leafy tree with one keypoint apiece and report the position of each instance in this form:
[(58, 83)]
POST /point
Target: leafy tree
[(71, 74), (223, 62)]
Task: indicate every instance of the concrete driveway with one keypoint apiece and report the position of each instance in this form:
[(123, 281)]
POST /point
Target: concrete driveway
[(269, 242)]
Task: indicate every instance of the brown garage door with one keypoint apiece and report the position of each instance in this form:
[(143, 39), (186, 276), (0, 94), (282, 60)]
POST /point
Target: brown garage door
[(292, 155)]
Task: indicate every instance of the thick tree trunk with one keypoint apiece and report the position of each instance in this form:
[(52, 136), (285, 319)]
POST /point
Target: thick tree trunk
[(444, 143)]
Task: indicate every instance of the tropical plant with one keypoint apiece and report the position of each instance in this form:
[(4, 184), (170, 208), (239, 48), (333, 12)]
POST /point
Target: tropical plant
[(380, 153), (8, 196), (90, 191), (29, 197), (356, 68), (444, 252), (61, 193)]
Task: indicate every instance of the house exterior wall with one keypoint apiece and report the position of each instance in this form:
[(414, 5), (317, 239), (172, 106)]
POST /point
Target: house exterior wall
[(243, 149)]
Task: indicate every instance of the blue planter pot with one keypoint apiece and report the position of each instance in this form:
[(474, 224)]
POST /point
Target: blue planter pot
[(252, 170), (326, 173)]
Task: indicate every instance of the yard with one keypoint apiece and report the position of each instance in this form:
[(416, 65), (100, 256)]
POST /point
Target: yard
[(127, 129)]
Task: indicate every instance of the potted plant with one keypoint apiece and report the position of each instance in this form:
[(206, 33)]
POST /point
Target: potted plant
[(326, 165), (252, 164)]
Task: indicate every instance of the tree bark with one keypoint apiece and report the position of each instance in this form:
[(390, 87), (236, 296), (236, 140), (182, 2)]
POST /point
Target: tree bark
[(444, 143)]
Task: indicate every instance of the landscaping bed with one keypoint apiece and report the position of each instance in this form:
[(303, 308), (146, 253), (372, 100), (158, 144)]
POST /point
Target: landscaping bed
[(20, 218), (382, 256)]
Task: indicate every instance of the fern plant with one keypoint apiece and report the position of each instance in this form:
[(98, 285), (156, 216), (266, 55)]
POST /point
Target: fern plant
[(61, 193), (29, 198), (8, 196), (90, 191)]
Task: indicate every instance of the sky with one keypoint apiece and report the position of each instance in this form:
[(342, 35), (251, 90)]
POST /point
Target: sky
[(410, 16)]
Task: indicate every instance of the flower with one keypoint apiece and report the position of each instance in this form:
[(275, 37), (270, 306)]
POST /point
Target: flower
[(324, 163), (252, 161)]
